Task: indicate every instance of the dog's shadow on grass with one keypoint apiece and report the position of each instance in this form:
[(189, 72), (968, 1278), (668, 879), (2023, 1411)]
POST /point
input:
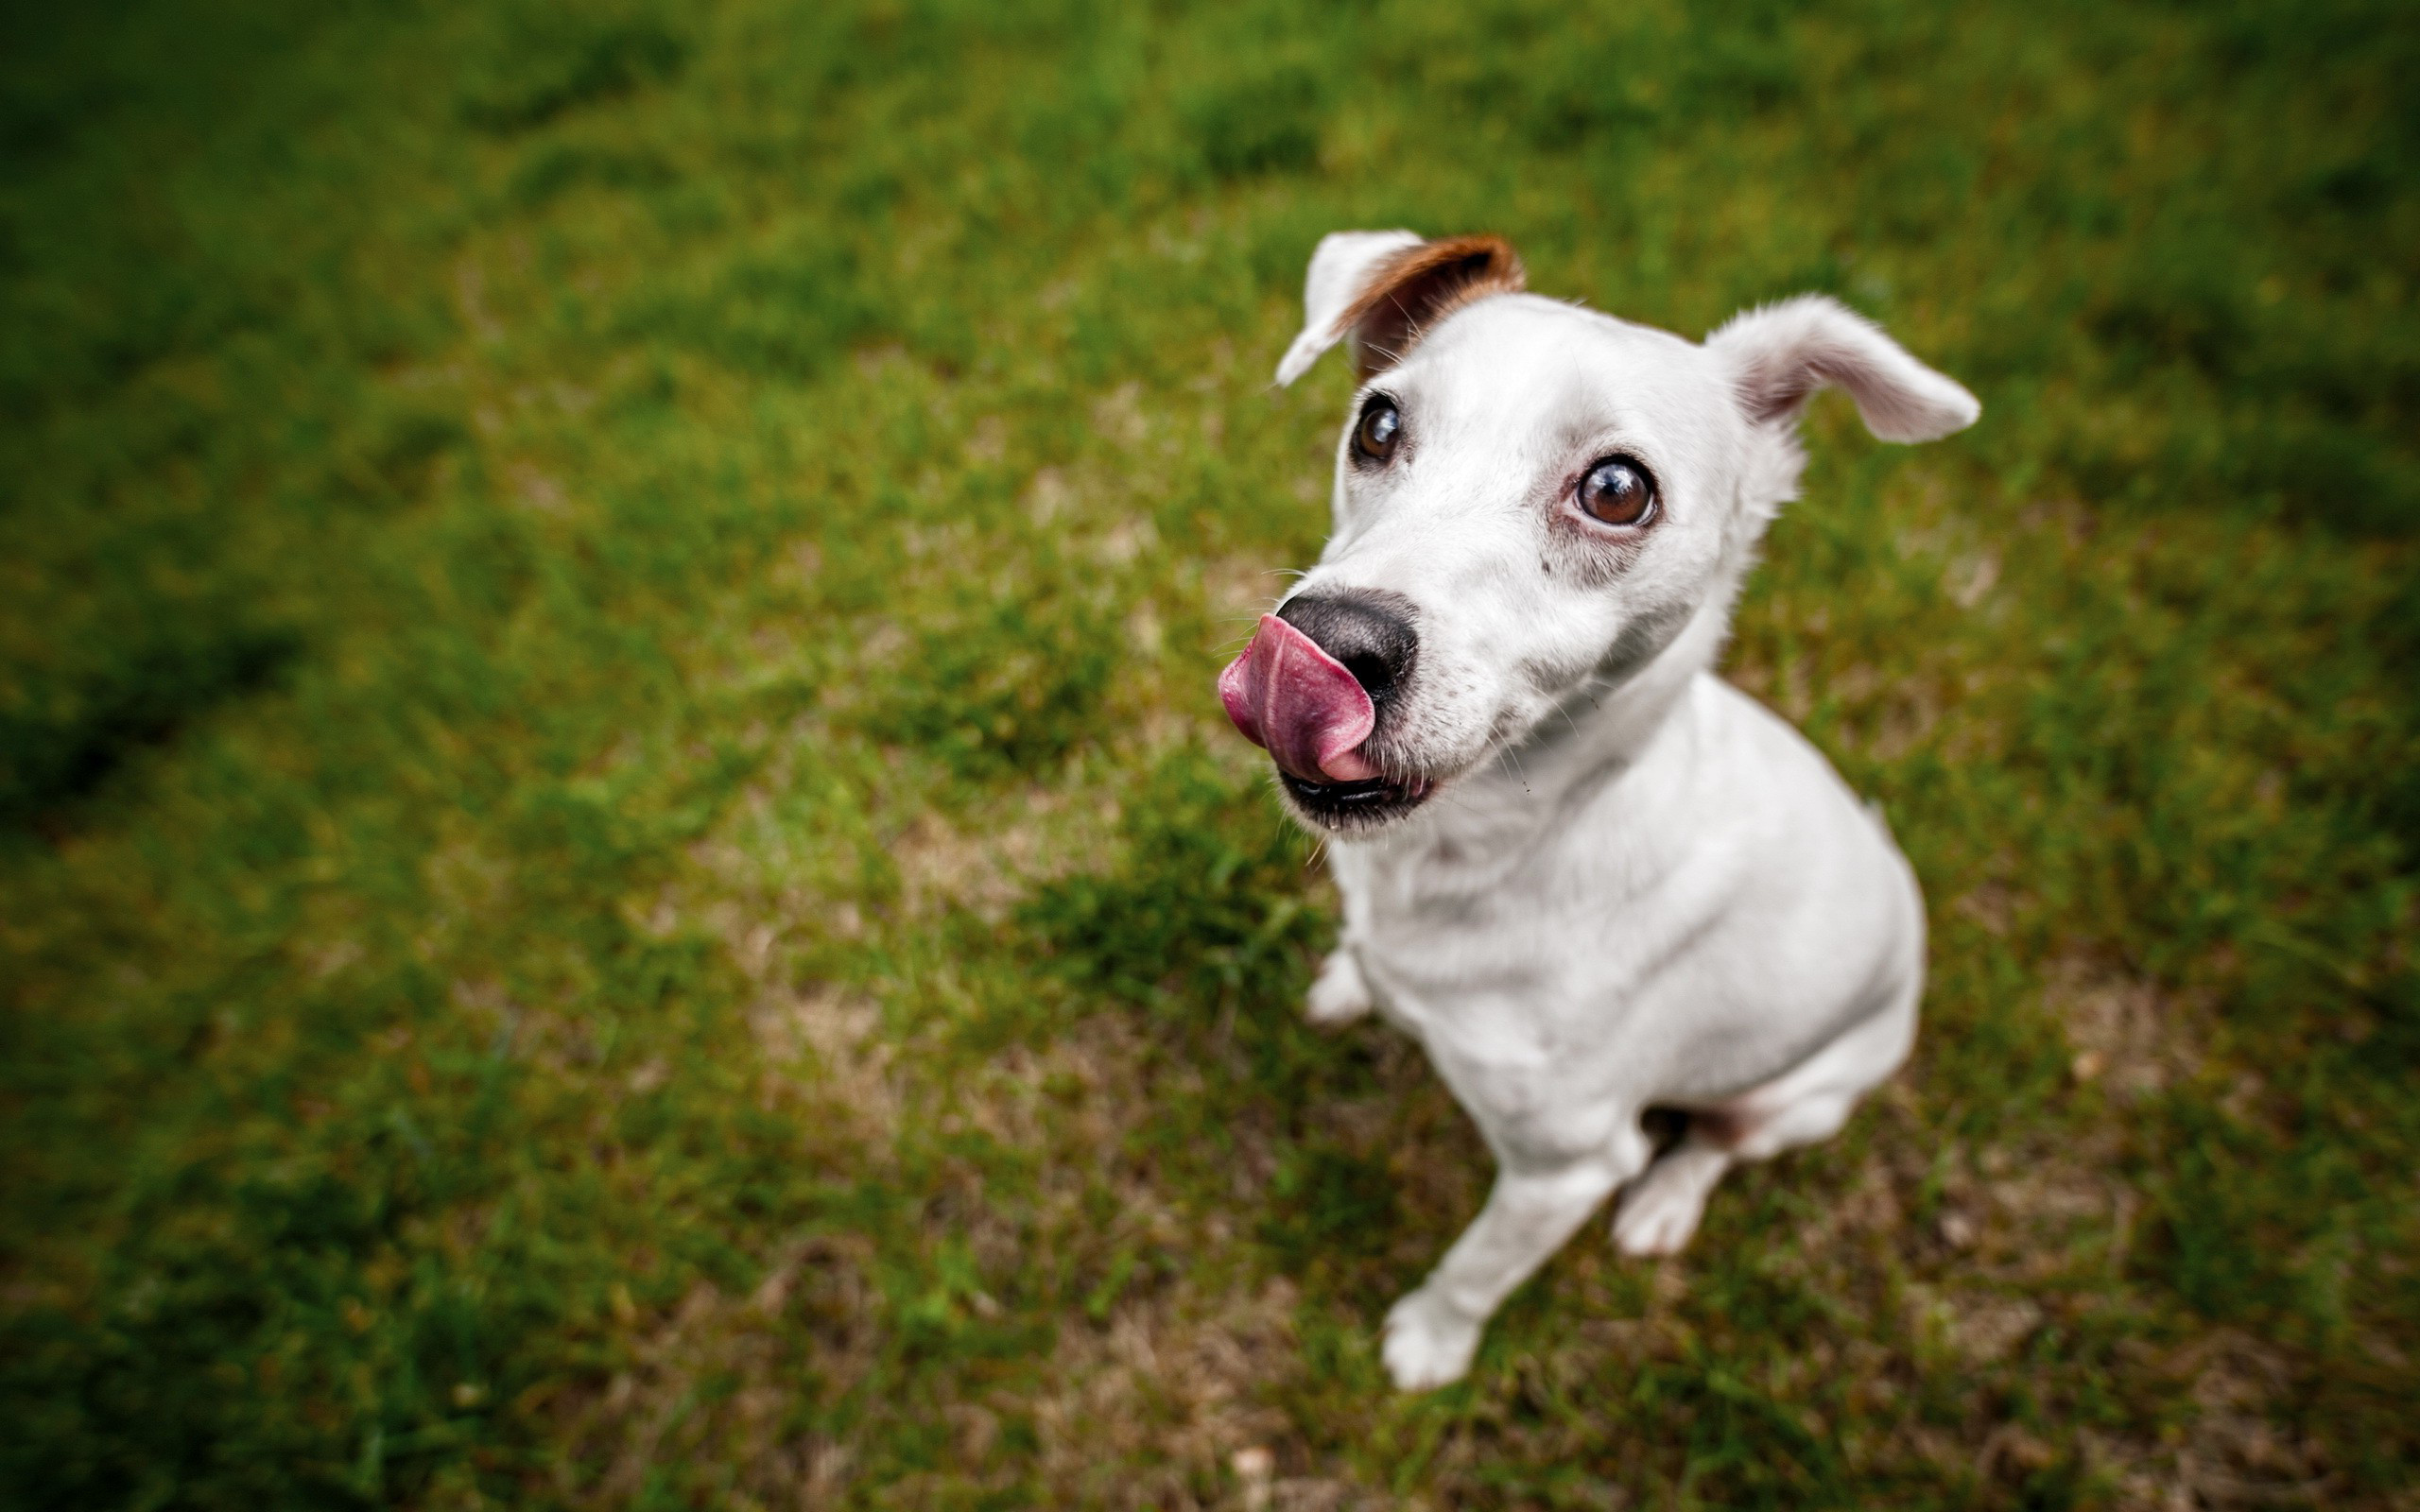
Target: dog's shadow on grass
[(1352, 1166), (1337, 1152)]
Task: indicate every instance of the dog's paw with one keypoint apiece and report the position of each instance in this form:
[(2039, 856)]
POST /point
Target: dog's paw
[(1658, 1217), (1339, 995), (1427, 1342)]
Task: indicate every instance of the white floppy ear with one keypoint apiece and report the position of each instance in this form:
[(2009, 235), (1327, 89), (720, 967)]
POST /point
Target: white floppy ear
[(1781, 354), (1340, 268)]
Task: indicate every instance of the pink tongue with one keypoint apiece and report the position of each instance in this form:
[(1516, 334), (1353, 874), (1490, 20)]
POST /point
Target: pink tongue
[(1286, 695)]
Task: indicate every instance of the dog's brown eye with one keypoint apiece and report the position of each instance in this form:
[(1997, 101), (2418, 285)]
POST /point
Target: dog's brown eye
[(1618, 491), (1374, 437)]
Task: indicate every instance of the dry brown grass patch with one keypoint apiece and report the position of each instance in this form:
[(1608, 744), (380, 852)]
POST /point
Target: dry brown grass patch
[(721, 1379), (2128, 1033)]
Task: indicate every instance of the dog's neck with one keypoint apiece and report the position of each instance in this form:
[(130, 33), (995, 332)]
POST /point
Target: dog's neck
[(1593, 734)]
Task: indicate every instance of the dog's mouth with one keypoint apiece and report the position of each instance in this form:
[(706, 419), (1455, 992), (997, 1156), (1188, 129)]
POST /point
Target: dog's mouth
[(1315, 716), (1364, 804)]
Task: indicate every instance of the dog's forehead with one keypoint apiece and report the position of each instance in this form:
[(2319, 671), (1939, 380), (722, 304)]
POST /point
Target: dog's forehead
[(1523, 363)]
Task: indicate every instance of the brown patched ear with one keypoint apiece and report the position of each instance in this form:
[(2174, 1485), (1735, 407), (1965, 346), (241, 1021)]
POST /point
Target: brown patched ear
[(1382, 290), (1411, 291)]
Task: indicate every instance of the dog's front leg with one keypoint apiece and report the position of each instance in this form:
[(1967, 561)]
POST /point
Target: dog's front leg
[(1433, 1332), (1339, 995)]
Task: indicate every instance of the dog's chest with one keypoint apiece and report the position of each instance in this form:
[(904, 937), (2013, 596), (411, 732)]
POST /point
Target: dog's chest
[(1483, 971), (1503, 958)]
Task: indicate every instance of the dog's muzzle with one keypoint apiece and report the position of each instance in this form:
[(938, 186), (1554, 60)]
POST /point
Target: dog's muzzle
[(1300, 704)]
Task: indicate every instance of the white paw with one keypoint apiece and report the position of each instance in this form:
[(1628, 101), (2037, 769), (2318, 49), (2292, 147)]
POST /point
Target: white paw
[(1427, 1342), (1339, 995), (1658, 1217)]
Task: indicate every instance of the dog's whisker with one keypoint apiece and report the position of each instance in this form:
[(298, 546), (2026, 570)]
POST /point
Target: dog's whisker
[(1519, 771)]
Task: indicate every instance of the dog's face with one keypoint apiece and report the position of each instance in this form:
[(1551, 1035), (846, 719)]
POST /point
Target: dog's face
[(1531, 499)]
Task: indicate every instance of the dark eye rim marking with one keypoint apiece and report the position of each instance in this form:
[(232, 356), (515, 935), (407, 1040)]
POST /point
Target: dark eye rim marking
[(1375, 407), (1650, 508)]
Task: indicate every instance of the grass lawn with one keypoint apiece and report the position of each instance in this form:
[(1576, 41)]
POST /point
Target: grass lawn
[(621, 883)]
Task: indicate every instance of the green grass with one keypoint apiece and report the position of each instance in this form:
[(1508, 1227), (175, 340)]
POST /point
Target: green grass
[(620, 881)]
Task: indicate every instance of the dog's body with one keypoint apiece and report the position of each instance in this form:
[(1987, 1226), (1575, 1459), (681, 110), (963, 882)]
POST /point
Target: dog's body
[(1692, 912), (1588, 876)]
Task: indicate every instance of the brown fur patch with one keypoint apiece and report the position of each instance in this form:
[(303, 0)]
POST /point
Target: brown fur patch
[(1420, 285)]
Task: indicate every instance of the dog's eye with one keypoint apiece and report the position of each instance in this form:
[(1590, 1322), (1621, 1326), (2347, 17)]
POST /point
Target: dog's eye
[(1381, 423), (1618, 491)]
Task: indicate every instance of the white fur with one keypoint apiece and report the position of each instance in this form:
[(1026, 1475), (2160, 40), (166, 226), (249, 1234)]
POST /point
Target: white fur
[(1634, 886)]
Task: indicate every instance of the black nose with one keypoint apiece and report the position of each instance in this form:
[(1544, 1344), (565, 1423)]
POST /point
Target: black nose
[(1370, 631)]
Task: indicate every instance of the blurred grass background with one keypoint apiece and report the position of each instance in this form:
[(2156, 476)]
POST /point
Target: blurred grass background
[(620, 882)]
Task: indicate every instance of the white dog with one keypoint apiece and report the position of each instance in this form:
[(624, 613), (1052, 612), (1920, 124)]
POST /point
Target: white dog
[(1590, 877)]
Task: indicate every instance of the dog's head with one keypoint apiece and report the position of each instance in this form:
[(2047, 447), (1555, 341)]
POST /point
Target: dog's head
[(1534, 501)]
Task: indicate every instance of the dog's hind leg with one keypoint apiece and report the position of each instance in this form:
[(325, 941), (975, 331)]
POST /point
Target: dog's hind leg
[(1809, 1102), (1660, 1211)]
